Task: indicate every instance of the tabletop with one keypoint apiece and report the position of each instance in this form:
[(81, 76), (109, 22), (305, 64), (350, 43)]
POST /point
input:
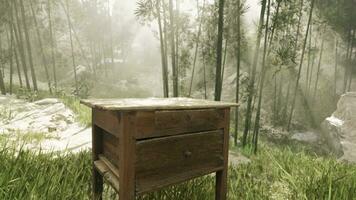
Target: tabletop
[(155, 104)]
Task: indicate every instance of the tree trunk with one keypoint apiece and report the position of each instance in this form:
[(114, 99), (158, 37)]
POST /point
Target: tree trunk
[(165, 25), (52, 40), (312, 67), (15, 49), (318, 70), (224, 63), (11, 58), (28, 45), (204, 74), (44, 61), (218, 83), (349, 43), (2, 75), (263, 75), (280, 92), (284, 114), (2, 84), (295, 52), (335, 72), (350, 61), (20, 45), (163, 53), (238, 63), (298, 27), (72, 49), (111, 37), (11, 48), (173, 50), (196, 45), (177, 39), (309, 61), (274, 25), (80, 46), (14, 46), (300, 66), (251, 83)]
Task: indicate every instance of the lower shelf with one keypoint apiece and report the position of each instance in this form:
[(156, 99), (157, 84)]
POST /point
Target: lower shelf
[(108, 173)]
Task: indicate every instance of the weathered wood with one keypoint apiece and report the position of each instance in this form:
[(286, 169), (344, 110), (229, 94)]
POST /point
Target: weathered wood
[(164, 123), (107, 120), (127, 156), (111, 148), (97, 180), (168, 160), (110, 166), (144, 145), (221, 176), (154, 104), (104, 170)]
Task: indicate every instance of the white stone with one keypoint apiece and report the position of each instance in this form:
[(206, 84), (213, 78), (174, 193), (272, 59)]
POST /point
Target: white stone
[(48, 116)]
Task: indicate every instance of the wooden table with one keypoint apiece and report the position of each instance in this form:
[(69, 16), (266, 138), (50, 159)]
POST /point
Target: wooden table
[(141, 145)]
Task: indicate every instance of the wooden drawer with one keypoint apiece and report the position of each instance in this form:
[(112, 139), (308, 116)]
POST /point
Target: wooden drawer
[(151, 124), (111, 148), (167, 160), (108, 121)]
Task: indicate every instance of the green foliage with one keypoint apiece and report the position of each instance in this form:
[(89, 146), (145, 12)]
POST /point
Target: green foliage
[(272, 174), (28, 137), (83, 113), (29, 175), (6, 114), (283, 174)]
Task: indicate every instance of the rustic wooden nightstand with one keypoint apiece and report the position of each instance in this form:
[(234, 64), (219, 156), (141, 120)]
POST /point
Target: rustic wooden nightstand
[(141, 145)]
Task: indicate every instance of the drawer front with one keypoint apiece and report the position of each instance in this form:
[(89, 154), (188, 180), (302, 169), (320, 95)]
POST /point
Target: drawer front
[(107, 120), (164, 161), (152, 124), (111, 148)]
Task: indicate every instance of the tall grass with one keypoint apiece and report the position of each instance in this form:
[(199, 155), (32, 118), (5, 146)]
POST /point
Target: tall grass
[(272, 174), (28, 175), (83, 113)]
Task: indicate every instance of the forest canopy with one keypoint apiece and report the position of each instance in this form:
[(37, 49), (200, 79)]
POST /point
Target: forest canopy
[(286, 70)]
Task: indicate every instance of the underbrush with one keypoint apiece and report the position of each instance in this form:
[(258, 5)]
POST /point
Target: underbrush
[(82, 112), (272, 174)]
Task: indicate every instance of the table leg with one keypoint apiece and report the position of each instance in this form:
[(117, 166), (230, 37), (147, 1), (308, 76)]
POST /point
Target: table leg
[(221, 176), (97, 182), (127, 155), (97, 185), (221, 185)]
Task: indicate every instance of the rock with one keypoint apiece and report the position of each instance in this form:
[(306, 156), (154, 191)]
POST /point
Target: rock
[(331, 133), (46, 101), (237, 158), (306, 137), (48, 117), (312, 141), (339, 129), (275, 135)]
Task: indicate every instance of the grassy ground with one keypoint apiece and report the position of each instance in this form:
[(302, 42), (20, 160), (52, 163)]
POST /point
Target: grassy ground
[(272, 174)]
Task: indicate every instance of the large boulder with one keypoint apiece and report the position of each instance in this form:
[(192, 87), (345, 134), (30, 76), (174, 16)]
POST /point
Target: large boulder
[(46, 124), (339, 129)]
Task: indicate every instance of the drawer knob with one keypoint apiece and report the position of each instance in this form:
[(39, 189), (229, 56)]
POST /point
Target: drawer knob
[(187, 154)]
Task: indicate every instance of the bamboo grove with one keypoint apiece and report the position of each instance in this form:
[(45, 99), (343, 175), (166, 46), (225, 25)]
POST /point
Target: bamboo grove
[(286, 70)]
